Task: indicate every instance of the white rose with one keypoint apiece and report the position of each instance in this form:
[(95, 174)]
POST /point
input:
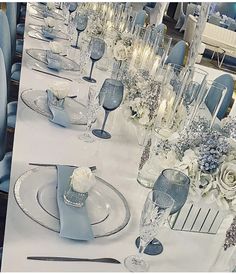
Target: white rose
[(50, 22), (57, 47), (50, 5), (82, 179), (226, 179), (189, 163), (60, 89), (120, 52), (144, 116)]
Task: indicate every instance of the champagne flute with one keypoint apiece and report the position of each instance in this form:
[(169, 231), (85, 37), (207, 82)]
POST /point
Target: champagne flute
[(81, 24), (112, 94), (92, 106), (156, 210), (97, 47)]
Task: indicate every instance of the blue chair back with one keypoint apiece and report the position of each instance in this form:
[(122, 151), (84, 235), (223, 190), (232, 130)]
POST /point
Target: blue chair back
[(213, 97), (5, 42), (140, 18), (3, 106), (11, 16), (177, 54)]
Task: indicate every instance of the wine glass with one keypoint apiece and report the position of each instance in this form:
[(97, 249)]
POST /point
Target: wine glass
[(92, 106), (156, 210), (176, 184), (112, 94), (97, 48), (81, 24)]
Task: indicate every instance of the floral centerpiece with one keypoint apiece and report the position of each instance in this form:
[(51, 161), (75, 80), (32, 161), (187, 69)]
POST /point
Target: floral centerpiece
[(208, 157)]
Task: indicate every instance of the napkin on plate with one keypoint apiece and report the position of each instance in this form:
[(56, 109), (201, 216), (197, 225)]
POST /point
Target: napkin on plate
[(56, 106), (53, 61), (74, 221)]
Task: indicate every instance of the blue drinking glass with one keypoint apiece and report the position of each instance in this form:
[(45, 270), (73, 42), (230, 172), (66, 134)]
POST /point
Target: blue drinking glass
[(176, 184), (81, 24), (97, 47), (111, 94)]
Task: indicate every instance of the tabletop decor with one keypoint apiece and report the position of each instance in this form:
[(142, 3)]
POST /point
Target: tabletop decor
[(37, 198), (82, 180), (156, 209)]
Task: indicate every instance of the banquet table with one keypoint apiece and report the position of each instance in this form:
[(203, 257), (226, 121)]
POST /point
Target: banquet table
[(37, 140)]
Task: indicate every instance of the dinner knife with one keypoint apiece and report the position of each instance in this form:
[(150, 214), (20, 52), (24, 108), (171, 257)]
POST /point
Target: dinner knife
[(52, 74), (93, 168), (69, 259)]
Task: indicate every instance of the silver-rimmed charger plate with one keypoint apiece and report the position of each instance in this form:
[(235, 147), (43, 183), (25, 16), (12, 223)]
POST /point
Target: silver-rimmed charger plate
[(39, 12), (65, 63), (35, 193), (37, 101)]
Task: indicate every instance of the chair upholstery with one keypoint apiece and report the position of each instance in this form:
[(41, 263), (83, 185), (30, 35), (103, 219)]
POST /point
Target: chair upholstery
[(140, 18), (5, 42), (160, 29), (5, 158), (177, 54), (191, 9), (11, 114), (212, 97), (181, 19), (3, 106), (11, 16)]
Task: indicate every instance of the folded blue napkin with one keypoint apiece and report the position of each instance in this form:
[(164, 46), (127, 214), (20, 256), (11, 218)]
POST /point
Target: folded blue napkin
[(48, 33), (56, 106), (53, 61), (74, 221)]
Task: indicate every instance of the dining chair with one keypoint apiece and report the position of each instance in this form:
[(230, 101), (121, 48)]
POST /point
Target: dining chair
[(141, 18), (5, 158), (17, 44), (5, 45), (177, 54), (13, 71), (213, 98), (191, 9), (181, 19), (160, 29)]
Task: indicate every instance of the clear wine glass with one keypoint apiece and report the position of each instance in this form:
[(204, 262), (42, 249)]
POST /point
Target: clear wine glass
[(97, 47), (92, 107), (111, 94), (156, 210), (81, 24)]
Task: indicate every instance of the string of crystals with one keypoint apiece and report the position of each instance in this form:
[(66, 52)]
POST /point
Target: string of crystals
[(230, 239)]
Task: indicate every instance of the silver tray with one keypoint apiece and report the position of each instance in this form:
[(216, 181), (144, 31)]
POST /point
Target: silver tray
[(35, 193), (37, 101), (65, 63)]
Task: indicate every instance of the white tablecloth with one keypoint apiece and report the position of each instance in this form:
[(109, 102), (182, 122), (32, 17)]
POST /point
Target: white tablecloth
[(38, 140)]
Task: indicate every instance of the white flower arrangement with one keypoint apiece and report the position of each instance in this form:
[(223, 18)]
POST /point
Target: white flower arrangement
[(209, 159), (60, 89), (82, 179)]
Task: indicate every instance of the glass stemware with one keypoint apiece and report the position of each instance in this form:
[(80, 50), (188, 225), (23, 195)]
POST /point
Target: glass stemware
[(71, 7), (112, 93), (156, 210), (176, 184), (97, 48), (93, 105), (81, 24)]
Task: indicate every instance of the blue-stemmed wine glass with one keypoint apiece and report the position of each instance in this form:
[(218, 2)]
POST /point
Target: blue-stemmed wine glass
[(81, 24), (97, 49), (176, 184), (112, 94)]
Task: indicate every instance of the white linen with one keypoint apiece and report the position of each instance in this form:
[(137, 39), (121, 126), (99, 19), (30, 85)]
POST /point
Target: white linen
[(38, 140)]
